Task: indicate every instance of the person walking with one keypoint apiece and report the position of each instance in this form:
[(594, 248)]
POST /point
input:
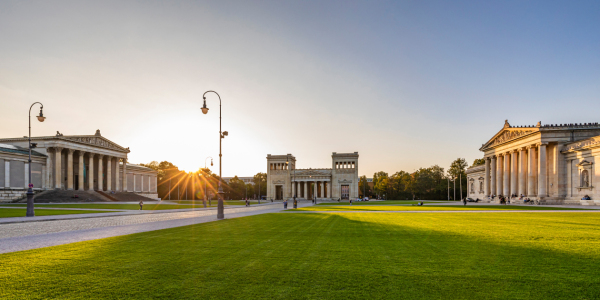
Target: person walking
[(464, 202), (141, 204)]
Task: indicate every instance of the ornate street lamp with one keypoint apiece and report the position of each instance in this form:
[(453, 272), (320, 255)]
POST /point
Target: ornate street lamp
[(222, 135), (41, 118)]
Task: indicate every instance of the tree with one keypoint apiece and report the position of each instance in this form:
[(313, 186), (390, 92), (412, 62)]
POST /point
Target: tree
[(363, 187), (260, 181), (380, 182), (457, 171), (479, 162)]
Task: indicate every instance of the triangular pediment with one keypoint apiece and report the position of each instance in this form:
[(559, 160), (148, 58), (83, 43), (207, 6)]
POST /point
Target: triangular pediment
[(97, 141), (508, 134)]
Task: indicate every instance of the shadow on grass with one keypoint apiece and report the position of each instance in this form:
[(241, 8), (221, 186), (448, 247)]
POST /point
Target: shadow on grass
[(330, 256)]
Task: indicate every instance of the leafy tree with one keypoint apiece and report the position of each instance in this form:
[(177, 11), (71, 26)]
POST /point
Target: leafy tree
[(457, 172), (380, 182), (479, 162), (363, 187), (260, 181)]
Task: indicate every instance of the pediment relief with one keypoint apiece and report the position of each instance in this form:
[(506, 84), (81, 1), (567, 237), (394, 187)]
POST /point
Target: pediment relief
[(345, 181), (584, 163), (278, 181), (506, 136), (95, 141)]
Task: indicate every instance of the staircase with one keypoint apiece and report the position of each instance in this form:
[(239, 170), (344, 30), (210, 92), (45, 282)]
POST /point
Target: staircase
[(125, 197), (58, 196)]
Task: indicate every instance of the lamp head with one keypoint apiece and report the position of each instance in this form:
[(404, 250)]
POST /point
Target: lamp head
[(211, 162), (204, 108), (225, 133), (41, 117)]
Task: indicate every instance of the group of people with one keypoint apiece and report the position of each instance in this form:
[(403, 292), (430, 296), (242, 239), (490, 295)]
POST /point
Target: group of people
[(586, 197)]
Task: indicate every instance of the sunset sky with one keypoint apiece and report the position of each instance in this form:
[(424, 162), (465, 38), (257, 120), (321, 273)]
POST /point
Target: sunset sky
[(407, 84)]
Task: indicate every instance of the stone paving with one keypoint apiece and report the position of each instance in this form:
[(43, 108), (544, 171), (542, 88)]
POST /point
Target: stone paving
[(31, 235)]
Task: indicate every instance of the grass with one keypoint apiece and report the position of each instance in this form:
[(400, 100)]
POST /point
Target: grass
[(326, 256), (427, 207), (386, 202), (147, 206), (16, 212)]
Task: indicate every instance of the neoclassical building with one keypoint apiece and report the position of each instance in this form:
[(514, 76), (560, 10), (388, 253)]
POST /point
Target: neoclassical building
[(340, 182), (553, 163), (78, 162)]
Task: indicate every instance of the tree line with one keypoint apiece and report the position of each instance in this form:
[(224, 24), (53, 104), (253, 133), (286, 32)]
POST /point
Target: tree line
[(175, 184), (425, 183)]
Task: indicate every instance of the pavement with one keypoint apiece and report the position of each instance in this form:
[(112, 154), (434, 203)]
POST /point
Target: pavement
[(39, 232)]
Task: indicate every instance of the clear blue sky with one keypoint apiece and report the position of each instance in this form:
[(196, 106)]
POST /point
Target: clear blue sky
[(408, 84)]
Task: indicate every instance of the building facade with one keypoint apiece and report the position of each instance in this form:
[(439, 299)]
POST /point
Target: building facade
[(556, 164), (82, 162), (284, 181)]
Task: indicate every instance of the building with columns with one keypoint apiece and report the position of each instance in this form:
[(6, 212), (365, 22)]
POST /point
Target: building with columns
[(555, 164), (284, 181), (80, 162)]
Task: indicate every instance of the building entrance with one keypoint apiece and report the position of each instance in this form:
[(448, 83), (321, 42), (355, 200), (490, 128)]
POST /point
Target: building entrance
[(345, 192)]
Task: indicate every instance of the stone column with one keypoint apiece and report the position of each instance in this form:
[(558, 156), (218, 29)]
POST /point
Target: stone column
[(70, 169), (542, 190), (499, 174), (133, 175), (531, 172), (569, 178), (124, 174), (523, 172), (316, 194), (100, 172), (58, 167), (293, 189), (108, 173), (117, 170), (514, 171), (306, 190), (506, 175), (26, 175), (81, 171), (493, 182), (91, 171), (329, 188), (48, 183), (486, 179), (7, 174)]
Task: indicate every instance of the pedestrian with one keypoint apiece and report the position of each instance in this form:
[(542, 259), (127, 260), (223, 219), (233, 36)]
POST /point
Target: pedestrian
[(141, 204), (350, 202), (464, 202)]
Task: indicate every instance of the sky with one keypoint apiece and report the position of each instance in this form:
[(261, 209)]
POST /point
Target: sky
[(407, 84)]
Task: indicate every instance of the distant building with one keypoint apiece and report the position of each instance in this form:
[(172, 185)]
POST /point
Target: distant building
[(340, 181), (556, 164), (246, 180), (75, 162)]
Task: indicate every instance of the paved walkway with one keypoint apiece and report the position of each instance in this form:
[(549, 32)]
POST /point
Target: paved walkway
[(34, 234)]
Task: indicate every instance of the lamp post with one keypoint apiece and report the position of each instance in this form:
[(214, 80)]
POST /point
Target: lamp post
[(287, 163), (206, 180), (222, 135), (259, 180), (41, 118)]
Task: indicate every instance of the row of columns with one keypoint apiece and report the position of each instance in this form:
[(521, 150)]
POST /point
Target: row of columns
[(518, 171), (55, 154), (319, 189)]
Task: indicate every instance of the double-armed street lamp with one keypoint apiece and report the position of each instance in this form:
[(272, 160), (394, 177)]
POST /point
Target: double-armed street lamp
[(287, 163), (41, 118), (222, 135)]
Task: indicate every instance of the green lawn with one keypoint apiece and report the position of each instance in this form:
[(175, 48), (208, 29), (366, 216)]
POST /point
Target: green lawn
[(15, 212), (430, 208), (326, 256), (387, 202)]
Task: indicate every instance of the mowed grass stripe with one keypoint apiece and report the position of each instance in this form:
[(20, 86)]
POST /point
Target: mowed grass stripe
[(431, 208), (17, 212), (331, 256)]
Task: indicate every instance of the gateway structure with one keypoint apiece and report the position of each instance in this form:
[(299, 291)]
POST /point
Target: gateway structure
[(556, 164), (76, 162), (284, 181)]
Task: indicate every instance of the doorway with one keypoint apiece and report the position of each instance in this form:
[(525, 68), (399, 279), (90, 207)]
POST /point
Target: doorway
[(278, 192), (345, 192)]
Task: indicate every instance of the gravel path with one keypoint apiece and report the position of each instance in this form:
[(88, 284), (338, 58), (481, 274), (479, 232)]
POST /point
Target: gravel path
[(32, 235)]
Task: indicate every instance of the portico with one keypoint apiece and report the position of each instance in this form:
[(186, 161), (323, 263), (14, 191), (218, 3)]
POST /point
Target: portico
[(531, 161), (284, 181), (87, 162)]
